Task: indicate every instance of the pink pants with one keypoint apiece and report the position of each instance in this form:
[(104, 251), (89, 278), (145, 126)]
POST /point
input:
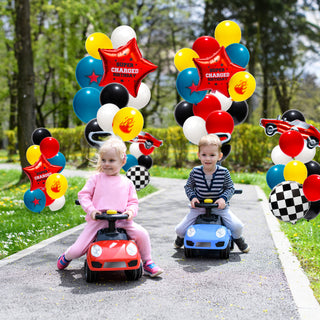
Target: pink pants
[(134, 231)]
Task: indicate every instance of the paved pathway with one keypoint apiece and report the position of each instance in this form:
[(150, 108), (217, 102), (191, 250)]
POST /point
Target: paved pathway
[(266, 283)]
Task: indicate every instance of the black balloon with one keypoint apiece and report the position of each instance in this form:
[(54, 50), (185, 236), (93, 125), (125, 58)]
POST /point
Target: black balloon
[(293, 114), (183, 111), (225, 149), (238, 111), (114, 93), (313, 210), (145, 161), (313, 167), (39, 134)]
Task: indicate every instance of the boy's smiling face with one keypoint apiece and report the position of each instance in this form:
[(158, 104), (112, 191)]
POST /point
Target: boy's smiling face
[(209, 156)]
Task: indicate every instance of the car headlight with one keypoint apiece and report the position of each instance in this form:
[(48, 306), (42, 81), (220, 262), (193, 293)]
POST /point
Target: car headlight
[(131, 249), (191, 232), (96, 251), (221, 232)]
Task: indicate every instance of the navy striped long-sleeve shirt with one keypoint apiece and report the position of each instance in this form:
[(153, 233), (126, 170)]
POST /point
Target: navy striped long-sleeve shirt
[(221, 184)]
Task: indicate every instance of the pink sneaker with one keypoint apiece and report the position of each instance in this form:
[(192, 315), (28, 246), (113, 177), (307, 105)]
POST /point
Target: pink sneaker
[(151, 269), (62, 262)]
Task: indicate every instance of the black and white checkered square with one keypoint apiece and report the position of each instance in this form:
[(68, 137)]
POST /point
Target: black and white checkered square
[(139, 175), (288, 202)]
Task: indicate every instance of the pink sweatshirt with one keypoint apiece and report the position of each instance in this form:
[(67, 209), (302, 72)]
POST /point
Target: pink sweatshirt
[(102, 192)]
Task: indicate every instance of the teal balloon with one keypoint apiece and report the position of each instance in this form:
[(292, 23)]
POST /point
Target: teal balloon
[(131, 162), (35, 200), (89, 72), (58, 160), (275, 175), (238, 54), (186, 83), (86, 104)]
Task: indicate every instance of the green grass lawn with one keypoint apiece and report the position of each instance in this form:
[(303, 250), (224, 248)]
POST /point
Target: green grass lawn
[(21, 228)]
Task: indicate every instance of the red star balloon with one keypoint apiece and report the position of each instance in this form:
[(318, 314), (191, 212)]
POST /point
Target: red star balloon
[(39, 172), (126, 66), (216, 71)]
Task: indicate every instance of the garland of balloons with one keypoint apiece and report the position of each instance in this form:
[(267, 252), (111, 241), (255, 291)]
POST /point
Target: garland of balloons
[(111, 95), (47, 184), (294, 179), (214, 84)]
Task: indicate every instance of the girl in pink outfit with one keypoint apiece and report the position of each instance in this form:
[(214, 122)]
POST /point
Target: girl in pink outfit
[(105, 190)]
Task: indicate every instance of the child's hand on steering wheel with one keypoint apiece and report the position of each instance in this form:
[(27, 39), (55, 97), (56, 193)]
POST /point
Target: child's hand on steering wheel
[(129, 213), (221, 203), (94, 213)]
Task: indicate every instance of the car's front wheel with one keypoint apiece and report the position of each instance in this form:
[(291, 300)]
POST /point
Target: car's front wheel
[(312, 142), (90, 276), (271, 129)]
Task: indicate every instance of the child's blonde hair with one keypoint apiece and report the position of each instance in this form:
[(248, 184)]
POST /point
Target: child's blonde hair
[(208, 140), (112, 143)]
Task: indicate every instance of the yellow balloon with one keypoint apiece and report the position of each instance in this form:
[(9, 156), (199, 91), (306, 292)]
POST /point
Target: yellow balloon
[(184, 59), (33, 153), (127, 123), (56, 185), (241, 86), (295, 171), (97, 41), (227, 32)]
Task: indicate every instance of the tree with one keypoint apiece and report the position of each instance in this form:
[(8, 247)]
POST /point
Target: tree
[(25, 78)]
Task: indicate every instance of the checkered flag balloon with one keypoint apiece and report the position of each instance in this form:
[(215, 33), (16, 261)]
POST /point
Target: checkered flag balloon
[(139, 175), (287, 201)]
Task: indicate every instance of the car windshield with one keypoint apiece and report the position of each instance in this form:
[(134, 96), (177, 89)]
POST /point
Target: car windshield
[(300, 124)]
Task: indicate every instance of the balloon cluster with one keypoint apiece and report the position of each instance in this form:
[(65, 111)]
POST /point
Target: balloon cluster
[(213, 83), (112, 93), (48, 185), (293, 165)]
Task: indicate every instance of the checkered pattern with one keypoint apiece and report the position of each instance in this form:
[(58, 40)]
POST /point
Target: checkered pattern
[(288, 202), (139, 175)]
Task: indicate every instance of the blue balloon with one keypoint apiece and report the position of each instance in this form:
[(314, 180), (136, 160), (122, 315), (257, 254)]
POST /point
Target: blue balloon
[(275, 175), (35, 200), (89, 72), (186, 83), (238, 54), (58, 160), (131, 162), (86, 104)]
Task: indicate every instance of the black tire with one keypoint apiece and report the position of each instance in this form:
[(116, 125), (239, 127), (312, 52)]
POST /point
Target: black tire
[(90, 276), (133, 275), (270, 129), (312, 142), (188, 252), (224, 254)]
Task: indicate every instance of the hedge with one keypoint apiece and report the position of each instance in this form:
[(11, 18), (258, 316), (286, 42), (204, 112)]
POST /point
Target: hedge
[(250, 147)]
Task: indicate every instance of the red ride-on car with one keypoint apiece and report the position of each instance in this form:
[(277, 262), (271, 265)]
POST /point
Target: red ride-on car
[(112, 251), (308, 132)]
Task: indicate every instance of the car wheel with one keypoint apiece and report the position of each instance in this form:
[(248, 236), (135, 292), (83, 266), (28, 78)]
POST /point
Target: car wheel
[(271, 129), (312, 142), (90, 276), (133, 275), (224, 254), (188, 252)]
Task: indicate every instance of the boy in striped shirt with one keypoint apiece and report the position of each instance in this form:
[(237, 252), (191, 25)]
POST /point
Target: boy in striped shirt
[(211, 180)]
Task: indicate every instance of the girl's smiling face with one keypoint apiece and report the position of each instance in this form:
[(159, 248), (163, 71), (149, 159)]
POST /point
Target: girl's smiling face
[(209, 156), (111, 163)]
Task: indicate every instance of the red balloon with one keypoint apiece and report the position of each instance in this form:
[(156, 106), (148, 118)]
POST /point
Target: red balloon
[(219, 121), (216, 71), (126, 66), (49, 147), (209, 104), (205, 46), (311, 187), (291, 143)]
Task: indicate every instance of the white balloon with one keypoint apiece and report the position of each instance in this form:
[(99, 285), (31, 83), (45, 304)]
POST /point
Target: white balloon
[(142, 99), (135, 150), (224, 101), (57, 204), (306, 154), (194, 128), (279, 157), (121, 35), (105, 116)]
